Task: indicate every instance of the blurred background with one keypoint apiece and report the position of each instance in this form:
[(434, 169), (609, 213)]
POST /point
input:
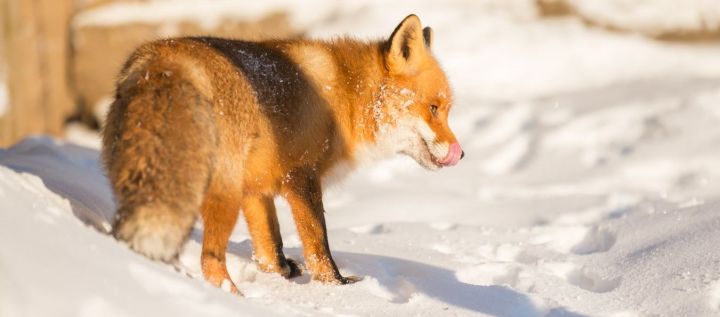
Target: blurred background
[(58, 58)]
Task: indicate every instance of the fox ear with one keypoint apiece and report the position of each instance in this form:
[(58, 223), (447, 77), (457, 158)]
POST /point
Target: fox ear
[(405, 49), (428, 35)]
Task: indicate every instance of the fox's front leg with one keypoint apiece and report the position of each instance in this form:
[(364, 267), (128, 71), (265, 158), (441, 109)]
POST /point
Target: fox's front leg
[(303, 192), (264, 230)]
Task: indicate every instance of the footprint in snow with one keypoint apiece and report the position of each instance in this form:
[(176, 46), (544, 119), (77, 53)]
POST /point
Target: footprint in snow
[(596, 240), (577, 239), (370, 229), (581, 277), (592, 281), (505, 252), (393, 289), (490, 274)]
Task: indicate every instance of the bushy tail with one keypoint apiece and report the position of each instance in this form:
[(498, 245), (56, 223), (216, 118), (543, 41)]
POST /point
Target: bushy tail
[(157, 146)]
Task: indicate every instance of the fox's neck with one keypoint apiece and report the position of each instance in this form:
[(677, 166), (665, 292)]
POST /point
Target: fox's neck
[(351, 76), (359, 80)]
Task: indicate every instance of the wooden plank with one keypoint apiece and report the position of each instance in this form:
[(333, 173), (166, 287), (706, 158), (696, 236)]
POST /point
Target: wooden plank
[(35, 54)]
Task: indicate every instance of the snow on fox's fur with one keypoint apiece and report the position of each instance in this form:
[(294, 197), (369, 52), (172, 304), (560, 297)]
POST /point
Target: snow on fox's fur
[(208, 126)]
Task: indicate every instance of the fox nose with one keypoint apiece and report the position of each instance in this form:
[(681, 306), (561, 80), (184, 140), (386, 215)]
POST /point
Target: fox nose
[(462, 155)]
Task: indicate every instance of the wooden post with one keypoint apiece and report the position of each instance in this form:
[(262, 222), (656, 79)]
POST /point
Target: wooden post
[(34, 55)]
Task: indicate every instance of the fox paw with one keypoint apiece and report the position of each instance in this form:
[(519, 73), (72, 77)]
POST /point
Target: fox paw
[(288, 268), (291, 269), (336, 279), (350, 279), (215, 272), (228, 286)]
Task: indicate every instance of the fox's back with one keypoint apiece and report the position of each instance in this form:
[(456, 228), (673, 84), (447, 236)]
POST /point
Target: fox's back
[(269, 116)]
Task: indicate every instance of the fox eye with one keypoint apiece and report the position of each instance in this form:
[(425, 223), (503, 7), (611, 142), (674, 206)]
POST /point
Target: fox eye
[(433, 110)]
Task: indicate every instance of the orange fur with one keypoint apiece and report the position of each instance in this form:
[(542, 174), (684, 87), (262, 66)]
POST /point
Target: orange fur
[(210, 126)]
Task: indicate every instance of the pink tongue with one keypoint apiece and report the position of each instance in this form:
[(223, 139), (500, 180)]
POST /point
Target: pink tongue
[(453, 156)]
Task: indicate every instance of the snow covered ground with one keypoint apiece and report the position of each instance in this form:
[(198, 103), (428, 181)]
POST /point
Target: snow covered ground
[(590, 188)]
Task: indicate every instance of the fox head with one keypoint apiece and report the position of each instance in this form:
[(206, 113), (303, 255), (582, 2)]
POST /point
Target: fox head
[(415, 98)]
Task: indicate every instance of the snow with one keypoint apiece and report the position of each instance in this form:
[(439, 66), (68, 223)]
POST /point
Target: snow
[(589, 188), (48, 250), (652, 17)]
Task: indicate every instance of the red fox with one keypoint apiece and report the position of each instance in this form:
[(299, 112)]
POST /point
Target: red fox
[(208, 126)]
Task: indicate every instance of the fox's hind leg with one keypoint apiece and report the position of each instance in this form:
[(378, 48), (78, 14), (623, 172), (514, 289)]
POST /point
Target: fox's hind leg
[(264, 230), (219, 213)]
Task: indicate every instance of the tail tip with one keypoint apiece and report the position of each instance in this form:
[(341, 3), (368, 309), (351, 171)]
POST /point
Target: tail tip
[(152, 236)]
